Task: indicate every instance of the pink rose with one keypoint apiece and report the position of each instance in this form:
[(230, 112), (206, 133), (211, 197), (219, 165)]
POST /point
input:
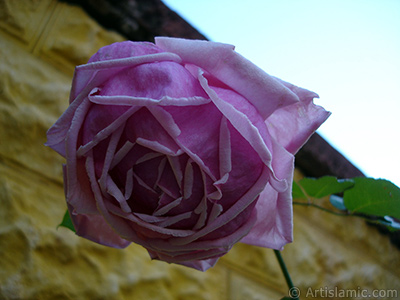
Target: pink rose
[(183, 147)]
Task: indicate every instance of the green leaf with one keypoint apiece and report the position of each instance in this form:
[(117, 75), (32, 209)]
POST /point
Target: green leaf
[(67, 222), (297, 192), (377, 197), (325, 186)]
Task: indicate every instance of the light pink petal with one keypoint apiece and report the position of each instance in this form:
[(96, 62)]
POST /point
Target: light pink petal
[(243, 125), (292, 125), (92, 75), (77, 180), (179, 124), (84, 191), (274, 225), (246, 169), (238, 119), (83, 76), (201, 265), (158, 147), (166, 81), (57, 133), (128, 61), (199, 255), (124, 50), (274, 220), (144, 101), (220, 60), (166, 121), (96, 229)]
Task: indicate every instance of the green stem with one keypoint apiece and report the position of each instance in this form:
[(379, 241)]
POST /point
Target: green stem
[(292, 288)]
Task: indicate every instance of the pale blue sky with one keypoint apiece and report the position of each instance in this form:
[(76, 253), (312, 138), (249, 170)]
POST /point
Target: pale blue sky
[(348, 51)]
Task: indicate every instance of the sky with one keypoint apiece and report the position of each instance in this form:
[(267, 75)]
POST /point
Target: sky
[(347, 51)]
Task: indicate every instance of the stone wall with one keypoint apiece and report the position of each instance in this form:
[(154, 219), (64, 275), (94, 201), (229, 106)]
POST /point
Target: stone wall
[(41, 42)]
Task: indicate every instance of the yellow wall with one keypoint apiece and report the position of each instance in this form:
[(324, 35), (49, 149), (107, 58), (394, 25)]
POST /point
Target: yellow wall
[(40, 43)]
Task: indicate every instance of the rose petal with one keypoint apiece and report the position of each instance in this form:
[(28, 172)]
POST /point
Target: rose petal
[(112, 189), (57, 134), (243, 125), (149, 231), (84, 191), (143, 101), (166, 247), (262, 90), (112, 146), (121, 153), (124, 49), (189, 137), (168, 82), (96, 133), (77, 181), (121, 230), (167, 182), (164, 209), (96, 229), (225, 163), (292, 125), (199, 255), (90, 76), (201, 265), (240, 205), (158, 147), (276, 230), (109, 68)]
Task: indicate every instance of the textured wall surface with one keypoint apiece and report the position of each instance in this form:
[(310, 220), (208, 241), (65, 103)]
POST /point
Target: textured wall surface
[(41, 42)]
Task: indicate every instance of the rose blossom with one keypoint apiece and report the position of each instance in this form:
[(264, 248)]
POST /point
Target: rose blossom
[(182, 146)]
